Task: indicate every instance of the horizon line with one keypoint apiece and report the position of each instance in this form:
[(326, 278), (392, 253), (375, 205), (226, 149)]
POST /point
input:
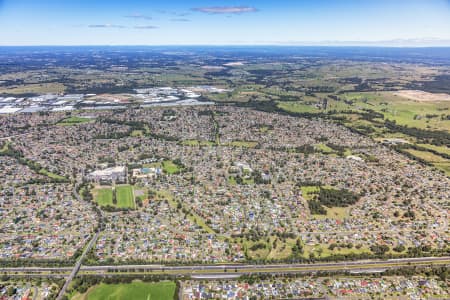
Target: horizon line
[(341, 45)]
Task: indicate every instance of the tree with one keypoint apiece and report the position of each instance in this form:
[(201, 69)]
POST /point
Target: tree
[(297, 249), (11, 291), (114, 197), (379, 249)]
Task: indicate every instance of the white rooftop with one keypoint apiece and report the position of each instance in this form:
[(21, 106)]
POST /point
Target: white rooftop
[(9, 110), (108, 171)]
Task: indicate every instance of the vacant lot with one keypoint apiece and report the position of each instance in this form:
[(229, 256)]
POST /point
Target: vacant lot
[(135, 291)]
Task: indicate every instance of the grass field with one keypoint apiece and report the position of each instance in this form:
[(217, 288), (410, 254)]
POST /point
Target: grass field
[(162, 194), (438, 161), (439, 149), (103, 196), (282, 249), (232, 180), (74, 120), (297, 107), (197, 143), (51, 175), (444, 167), (5, 147), (324, 149), (136, 133), (428, 156), (423, 115), (337, 213), (426, 115), (242, 144), (264, 129), (39, 88), (320, 251), (170, 167), (124, 195), (308, 192), (135, 291)]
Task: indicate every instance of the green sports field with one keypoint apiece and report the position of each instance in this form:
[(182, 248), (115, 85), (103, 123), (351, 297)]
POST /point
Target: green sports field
[(135, 291), (124, 194), (103, 196)]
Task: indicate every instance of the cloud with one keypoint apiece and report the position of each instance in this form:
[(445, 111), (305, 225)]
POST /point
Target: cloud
[(184, 14), (225, 9), (180, 20), (121, 26), (138, 16), (145, 27), (173, 13), (105, 26)]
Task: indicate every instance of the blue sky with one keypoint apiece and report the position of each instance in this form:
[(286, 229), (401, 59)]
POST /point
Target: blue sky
[(153, 22)]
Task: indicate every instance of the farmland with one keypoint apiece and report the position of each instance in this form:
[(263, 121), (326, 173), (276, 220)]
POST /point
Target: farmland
[(351, 110)]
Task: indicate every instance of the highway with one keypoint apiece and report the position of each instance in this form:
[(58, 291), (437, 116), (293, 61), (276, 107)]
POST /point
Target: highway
[(362, 266), (215, 270)]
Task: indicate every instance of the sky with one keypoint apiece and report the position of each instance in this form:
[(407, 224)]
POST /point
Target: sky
[(226, 22)]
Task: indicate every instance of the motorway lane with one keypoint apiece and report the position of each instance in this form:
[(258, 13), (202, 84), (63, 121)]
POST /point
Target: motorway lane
[(364, 264), (271, 266)]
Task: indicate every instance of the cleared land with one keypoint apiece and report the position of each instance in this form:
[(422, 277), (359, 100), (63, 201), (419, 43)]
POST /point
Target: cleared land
[(422, 96)]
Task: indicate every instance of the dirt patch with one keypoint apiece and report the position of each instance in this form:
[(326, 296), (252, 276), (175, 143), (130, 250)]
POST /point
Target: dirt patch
[(422, 96)]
